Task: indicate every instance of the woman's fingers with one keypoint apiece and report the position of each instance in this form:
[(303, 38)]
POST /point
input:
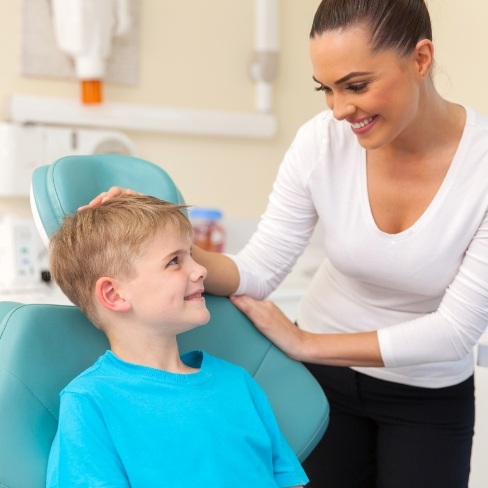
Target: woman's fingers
[(113, 192), (262, 312), (271, 322)]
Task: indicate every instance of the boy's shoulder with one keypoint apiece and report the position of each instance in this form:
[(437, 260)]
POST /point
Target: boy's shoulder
[(219, 364), (235, 376), (109, 373), (87, 378)]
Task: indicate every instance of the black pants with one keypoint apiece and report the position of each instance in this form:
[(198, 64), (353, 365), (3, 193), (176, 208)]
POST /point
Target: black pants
[(387, 435)]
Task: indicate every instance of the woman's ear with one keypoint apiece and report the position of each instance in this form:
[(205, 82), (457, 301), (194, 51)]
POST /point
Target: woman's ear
[(424, 57), (109, 296)]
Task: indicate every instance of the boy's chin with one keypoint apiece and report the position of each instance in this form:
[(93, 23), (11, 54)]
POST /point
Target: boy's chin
[(202, 320), (206, 319)]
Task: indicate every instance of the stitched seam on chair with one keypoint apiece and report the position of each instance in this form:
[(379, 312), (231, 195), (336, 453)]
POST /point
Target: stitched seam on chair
[(4, 322), (320, 427), (52, 192), (29, 389), (262, 359), (55, 203)]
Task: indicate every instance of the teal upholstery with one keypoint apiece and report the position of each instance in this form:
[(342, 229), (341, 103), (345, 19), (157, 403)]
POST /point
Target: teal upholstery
[(42, 347), (68, 183), (5, 307)]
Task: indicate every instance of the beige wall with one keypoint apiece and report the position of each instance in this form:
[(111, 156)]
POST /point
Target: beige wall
[(199, 59)]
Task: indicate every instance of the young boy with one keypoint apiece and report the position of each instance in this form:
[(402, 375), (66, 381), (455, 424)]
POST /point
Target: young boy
[(142, 416)]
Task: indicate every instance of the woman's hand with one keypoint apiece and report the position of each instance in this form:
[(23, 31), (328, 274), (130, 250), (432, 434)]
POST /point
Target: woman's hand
[(113, 192), (274, 324), (354, 349)]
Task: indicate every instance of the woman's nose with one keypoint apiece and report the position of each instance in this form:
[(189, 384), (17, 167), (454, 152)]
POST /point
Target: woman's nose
[(341, 107)]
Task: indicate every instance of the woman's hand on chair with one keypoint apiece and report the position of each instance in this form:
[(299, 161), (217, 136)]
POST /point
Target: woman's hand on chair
[(273, 323), (113, 192), (351, 349)]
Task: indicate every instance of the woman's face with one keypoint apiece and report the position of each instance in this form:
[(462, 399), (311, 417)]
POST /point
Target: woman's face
[(377, 94)]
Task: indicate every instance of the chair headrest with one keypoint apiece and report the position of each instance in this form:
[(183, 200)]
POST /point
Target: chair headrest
[(62, 187)]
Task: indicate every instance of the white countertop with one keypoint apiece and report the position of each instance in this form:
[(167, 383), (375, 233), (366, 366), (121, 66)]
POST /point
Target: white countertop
[(42, 293)]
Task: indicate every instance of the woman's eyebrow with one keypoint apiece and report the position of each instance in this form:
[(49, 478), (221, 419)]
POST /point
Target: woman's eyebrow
[(346, 78)]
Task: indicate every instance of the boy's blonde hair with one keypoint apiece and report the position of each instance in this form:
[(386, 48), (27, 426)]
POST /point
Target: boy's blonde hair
[(105, 240)]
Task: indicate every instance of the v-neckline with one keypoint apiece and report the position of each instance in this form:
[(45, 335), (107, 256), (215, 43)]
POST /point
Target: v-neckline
[(431, 207)]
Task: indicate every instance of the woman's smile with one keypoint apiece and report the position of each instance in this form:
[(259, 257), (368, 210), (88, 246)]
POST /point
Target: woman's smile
[(364, 125)]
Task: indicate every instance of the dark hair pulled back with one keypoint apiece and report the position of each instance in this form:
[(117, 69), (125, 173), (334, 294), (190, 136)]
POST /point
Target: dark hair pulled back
[(394, 24)]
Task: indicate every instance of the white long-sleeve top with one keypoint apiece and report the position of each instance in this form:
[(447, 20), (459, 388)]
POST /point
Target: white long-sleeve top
[(425, 289)]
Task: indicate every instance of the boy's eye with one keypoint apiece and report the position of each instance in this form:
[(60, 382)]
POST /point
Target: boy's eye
[(173, 261)]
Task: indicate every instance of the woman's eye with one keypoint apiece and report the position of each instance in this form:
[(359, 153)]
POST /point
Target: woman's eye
[(323, 88), (357, 88)]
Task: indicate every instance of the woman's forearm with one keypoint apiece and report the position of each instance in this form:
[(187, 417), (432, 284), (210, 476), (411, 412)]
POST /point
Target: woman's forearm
[(223, 275), (355, 349)]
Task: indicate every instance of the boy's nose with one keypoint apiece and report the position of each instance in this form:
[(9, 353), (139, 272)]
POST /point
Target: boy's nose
[(199, 272)]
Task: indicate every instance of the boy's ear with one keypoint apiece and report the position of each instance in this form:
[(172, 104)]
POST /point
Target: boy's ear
[(107, 293)]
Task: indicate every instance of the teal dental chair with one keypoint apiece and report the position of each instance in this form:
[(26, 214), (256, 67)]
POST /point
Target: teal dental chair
[(43, 347)]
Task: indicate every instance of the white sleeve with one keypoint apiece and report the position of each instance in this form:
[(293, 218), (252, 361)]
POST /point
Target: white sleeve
[(451, 332), (284, 229)]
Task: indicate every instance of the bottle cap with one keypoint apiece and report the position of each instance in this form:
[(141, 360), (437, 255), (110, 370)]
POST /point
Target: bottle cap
[(91, 91), (205, 213)]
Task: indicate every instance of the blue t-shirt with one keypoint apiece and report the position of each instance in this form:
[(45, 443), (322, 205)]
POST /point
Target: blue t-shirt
[(123, 424)]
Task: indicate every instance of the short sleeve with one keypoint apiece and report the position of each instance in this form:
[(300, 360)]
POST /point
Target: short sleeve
[(287, 469), (82, 453)]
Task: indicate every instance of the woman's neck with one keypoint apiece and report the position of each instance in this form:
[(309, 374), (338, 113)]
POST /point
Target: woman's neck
[(438, 124)]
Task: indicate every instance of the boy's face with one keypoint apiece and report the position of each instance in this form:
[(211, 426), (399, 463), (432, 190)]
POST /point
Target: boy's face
[(167, 292)]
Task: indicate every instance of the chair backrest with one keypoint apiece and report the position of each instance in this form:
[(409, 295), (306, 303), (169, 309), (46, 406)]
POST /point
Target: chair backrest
[(42, 347), (62, 187)]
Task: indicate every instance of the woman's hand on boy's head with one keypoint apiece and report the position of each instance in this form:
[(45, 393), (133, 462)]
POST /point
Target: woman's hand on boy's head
[(114, 191)]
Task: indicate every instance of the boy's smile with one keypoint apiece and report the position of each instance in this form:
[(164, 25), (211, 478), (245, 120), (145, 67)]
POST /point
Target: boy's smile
[(167, 291)]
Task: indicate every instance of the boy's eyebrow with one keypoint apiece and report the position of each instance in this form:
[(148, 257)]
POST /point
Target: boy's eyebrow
[(346, 78), (174, 253)]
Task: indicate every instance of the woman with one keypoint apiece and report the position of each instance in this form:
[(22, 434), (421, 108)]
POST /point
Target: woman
[(397, 175)]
